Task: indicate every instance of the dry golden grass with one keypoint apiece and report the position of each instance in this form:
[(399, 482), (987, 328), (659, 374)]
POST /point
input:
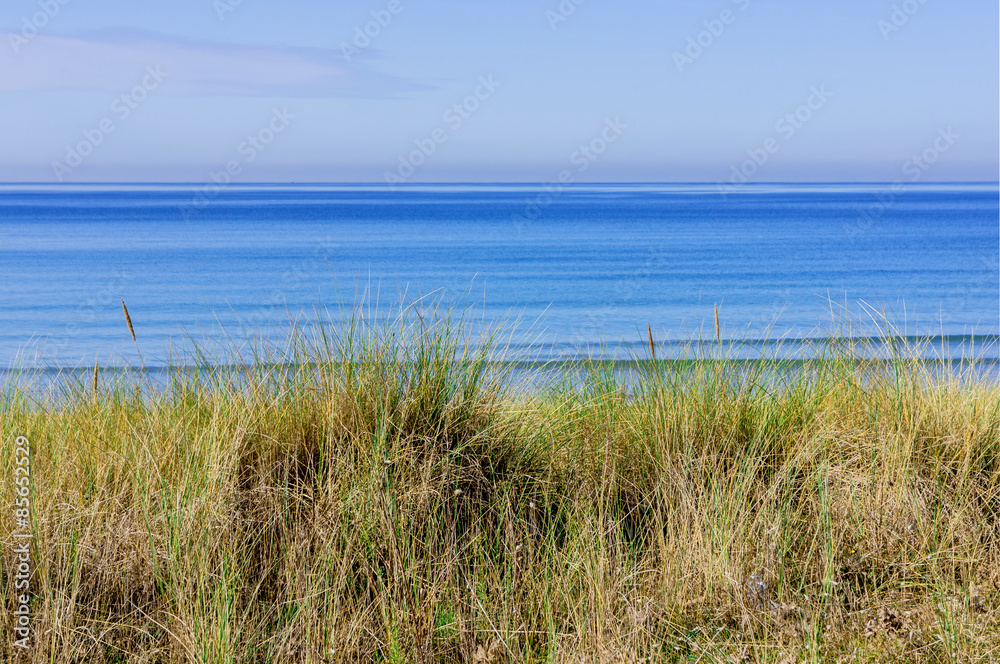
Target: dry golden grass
[(398, 498)]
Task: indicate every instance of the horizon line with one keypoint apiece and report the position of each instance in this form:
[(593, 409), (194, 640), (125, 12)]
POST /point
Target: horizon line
[(495, 183)]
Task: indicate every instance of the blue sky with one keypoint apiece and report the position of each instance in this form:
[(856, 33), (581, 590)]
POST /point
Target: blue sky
[(853, 90)]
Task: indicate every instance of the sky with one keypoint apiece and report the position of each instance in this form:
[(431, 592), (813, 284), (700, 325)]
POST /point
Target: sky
[(410, 91)]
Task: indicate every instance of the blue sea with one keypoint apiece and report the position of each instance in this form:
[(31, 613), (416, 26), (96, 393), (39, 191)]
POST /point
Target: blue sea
[(572, 271)]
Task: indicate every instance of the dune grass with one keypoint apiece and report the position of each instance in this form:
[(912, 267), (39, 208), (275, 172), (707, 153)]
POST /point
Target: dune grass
[(391, 493)]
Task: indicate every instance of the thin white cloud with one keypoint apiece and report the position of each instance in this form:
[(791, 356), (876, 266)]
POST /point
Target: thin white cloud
[(117, 60)]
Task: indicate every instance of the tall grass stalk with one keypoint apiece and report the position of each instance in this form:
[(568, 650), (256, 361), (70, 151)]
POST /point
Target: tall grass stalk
[(390, 492)]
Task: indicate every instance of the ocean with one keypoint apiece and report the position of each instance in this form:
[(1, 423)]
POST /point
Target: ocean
[(568, 272)]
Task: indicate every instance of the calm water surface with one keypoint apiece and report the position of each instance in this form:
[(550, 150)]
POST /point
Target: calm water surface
[(581, 267)]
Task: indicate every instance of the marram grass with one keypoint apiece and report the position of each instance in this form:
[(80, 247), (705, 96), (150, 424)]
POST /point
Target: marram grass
[(392, 494)]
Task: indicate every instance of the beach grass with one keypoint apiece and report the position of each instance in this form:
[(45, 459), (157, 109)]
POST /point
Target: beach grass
[(393, 493)]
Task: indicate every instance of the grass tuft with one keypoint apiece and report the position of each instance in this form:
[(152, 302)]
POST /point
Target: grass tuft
[(392, 492)]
